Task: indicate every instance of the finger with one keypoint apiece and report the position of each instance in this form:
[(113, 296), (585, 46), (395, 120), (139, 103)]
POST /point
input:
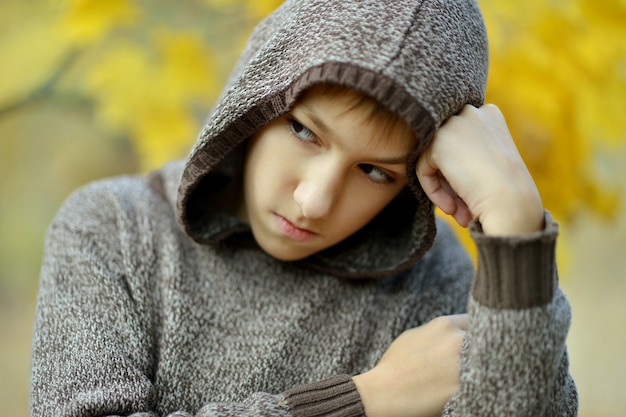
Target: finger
[(443, 196), (445, 185), (462, 215), (434, 185), (444, 200), (456, 202)]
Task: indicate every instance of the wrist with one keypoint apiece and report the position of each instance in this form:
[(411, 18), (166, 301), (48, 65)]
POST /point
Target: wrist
[(372, 388), (367, 395), (523, 215)]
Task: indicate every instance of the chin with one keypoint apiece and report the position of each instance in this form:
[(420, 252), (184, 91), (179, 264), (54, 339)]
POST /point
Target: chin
[(284, 251), (285, 254)]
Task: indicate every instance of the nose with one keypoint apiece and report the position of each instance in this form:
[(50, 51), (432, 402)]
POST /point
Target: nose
[(318, 191)]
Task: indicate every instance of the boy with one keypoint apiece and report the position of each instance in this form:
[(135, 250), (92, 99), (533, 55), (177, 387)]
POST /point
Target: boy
[(290, 267)]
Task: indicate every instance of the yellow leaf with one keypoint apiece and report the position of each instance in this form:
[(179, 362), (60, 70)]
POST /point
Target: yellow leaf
[(121, 81), (148, 92), (162, 134), (187, 64), (87, 21), (559, 75), (30, 54), (258, 9)]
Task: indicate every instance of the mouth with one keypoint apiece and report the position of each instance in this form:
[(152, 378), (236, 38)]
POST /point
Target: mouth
[(292, 231)]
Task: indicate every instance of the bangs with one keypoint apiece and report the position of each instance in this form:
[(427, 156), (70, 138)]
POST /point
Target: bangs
[(388, 124)]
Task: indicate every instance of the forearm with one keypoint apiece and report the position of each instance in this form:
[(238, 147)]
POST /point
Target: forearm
[(514, 359)]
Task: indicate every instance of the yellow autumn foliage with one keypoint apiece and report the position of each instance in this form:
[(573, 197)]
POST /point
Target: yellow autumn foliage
[(151, 100), (559, 77), (558, 72), (255, 9), (86, 21), (31, 48)]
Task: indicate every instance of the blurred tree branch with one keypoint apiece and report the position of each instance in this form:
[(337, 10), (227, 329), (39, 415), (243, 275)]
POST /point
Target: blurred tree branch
[(46, 89)]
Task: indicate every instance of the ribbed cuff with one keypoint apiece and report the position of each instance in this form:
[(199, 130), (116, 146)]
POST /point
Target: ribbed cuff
[(333, 397), (515, 272)]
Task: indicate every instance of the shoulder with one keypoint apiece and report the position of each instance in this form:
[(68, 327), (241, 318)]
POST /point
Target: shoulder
[(110, 230), (113, 215), (103, 202)]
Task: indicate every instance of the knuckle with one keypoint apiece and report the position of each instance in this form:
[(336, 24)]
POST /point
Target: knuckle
[(491, 106), (442, 323)]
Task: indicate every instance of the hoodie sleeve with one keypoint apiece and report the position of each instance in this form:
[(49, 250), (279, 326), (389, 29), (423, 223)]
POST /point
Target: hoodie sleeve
[(514, 360)]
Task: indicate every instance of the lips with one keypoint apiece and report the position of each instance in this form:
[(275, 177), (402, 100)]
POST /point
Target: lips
[(292, 231)]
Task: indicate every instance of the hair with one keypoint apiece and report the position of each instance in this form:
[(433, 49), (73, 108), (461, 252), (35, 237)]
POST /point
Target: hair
[(376, 112)]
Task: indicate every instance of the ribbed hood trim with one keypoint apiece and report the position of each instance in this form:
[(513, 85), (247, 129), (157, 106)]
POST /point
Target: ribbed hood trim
[(385, 246)]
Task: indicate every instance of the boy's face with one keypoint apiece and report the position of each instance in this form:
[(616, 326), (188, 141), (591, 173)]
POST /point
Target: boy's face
[(321, 172)]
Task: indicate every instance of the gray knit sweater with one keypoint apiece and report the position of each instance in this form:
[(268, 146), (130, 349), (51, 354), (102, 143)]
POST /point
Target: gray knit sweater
[(155, 302)]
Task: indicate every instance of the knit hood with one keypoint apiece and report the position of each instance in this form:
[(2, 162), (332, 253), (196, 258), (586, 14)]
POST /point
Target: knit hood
[(422, 60)]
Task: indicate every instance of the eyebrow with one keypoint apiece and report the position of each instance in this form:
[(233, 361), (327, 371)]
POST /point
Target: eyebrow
[(323, 127), (399, 160), (319, 123)]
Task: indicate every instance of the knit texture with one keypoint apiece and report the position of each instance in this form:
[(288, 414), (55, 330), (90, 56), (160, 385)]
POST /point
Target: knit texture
[(134, 317), (334, 396), (155, 302), (512, 276), (428, 61)]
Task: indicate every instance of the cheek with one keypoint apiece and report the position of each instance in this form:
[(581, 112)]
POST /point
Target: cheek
[(267, 169), (360, 205)]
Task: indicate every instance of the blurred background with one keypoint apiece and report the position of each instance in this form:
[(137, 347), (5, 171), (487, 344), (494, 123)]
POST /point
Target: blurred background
[(93, 88)]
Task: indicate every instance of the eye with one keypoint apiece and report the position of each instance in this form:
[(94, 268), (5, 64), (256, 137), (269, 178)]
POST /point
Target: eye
[(376, 174), (300, 131)]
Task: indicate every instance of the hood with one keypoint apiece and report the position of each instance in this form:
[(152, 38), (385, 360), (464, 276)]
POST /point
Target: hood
[(423, 60)]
